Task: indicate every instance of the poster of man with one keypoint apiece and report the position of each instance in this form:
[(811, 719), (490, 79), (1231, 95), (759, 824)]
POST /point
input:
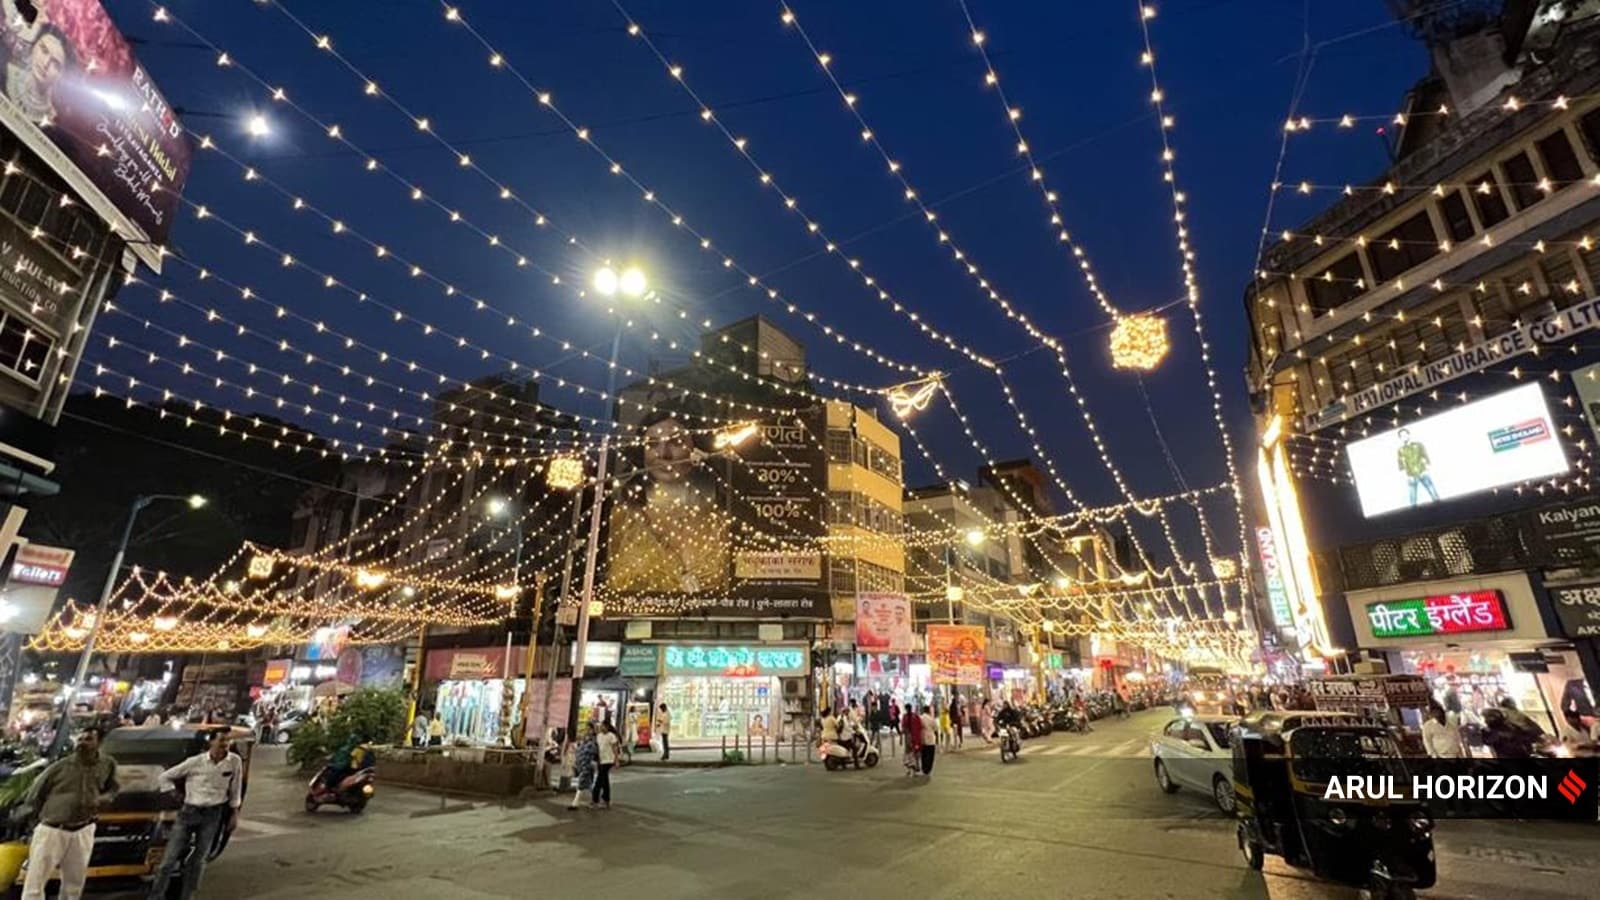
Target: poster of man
[(669, 534), (883, 623)]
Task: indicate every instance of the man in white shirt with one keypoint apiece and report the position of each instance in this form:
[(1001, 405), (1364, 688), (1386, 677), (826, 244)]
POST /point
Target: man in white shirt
[(213, 788)]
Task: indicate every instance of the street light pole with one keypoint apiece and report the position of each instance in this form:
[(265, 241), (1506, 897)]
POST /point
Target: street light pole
[(195, 501)]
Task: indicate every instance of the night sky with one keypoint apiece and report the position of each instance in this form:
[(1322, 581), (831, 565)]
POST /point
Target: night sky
[(1228, 69)]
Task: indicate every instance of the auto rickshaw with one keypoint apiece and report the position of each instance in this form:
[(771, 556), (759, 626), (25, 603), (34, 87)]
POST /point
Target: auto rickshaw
[(130, 838), (1282, 764)]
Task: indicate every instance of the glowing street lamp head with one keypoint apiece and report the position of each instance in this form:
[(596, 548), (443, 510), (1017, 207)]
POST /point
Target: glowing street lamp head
[(606, 281), (197, 501), (633, 282), (497, 506), (258, 126), (976, 537)]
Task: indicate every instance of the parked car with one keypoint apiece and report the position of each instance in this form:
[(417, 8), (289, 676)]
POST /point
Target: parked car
[(1192, 752), (285, 727)]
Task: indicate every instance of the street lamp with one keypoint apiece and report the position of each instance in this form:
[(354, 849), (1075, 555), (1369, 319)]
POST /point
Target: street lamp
[(194, 501), (501, 508), (258, 126), (953, 592)]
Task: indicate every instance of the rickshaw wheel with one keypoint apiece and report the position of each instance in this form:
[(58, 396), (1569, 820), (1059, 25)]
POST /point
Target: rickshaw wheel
[(1254, 854)]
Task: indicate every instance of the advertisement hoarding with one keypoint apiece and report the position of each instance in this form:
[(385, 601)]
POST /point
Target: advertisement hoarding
[(1272, 571), (1502, 439), (1568, 534), (76, 96), (883, 623), (956, 654), (690, 499)]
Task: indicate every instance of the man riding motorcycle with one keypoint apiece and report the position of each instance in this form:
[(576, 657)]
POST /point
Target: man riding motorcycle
[(351, 757)]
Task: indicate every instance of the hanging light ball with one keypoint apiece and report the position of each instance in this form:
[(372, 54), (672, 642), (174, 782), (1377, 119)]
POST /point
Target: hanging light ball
[(1139, 342)]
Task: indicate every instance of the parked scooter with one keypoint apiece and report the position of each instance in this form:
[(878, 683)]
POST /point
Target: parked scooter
[(1010, 742)]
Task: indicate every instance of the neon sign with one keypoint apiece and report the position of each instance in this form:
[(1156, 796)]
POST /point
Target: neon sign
[(1441, 614)]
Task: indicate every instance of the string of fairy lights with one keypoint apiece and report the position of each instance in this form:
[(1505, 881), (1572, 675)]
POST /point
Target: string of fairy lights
[(1030, 527)]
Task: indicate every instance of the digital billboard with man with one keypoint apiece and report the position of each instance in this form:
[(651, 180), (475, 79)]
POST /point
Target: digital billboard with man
[(1500, 440)]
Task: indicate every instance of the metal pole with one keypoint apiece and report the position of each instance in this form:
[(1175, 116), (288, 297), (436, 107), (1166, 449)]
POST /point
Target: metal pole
[(949, 575), (533, 645), (592, 552), (507, 686), (106, 590), (555, 636)]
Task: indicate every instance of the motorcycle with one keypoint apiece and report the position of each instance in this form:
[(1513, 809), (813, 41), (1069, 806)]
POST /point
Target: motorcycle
[(838, 755), (352, 792), (1010, 743)]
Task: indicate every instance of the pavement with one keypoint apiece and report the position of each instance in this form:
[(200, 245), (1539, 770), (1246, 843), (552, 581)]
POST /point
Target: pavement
[(1077, 815)]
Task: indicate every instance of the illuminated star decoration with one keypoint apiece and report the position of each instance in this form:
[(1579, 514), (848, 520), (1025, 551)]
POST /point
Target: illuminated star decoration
[(1139, 342)]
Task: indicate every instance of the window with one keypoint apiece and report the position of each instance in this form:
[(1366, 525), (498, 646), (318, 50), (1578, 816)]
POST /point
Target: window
[(1457, 223), (1559, 161), (23, 350), (1488, 200), (1336, 285), (842, 575), (1523, 180), (873, 577), (1590, 126), (838, 442), (1403, 247), (883, 462)]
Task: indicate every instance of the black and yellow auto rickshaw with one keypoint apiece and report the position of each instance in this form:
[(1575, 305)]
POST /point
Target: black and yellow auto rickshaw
[(1282, 765), (130, 838)]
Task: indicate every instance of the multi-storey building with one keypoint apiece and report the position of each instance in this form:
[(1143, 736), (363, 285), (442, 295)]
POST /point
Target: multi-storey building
[(1421, 378)]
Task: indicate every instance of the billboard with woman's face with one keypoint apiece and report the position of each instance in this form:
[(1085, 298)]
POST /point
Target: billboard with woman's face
[(74, 93), (718, 526)]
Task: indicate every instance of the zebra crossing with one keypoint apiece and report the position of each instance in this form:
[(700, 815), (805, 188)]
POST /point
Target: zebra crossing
[(1071, 745)]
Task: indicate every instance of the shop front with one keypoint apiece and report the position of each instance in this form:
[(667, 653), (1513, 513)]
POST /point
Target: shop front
[(717, 691), (1477, 641), (469, 690)]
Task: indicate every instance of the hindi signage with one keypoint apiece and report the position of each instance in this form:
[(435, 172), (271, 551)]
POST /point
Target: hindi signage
[(734, 660), (1367, 692), (1578, 608), (778, 566), (956, 654), (1573, 320), (1442, 614)]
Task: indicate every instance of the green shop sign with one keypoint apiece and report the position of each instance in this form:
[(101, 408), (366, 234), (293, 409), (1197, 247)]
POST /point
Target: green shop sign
[(638, 660), (732, 659)]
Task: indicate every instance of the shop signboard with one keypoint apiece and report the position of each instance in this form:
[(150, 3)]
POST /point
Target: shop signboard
[(1370, 692), (1442, 614), (1502, 439), (1568, 534), (597, 654), (639, 660), (672, 534), (1584, 316), (883, 623), (37, 277), (468, 663), (1272, 570), (956, 654), (541, 704), (277, 672), (737, 660), (78, 98), (1578, 608), (41, 565)]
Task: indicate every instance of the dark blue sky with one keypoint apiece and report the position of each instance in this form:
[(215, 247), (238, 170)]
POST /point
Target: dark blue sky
[(1227, 66)]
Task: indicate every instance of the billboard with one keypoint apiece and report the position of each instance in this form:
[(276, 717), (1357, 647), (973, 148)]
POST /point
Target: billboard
[(721, 528), (1502, 439), (883, 623), (76, 96), (956, 654)]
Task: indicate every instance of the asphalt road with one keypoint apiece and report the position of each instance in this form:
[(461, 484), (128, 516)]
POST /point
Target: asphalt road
[(1077, 815)]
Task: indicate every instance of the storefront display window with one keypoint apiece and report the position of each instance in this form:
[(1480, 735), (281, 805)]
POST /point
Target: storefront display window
[(1470, 681), (711, 708), (471, 709)]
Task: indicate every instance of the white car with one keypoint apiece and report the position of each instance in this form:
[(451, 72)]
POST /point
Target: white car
[(1192, 752)]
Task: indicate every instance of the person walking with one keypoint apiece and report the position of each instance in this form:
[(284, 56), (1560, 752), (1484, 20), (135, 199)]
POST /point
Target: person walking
[(419, 730), (67, 798), (894, 715), (436, 730), (1440, 736), (584, 765), (213, 788), (663, 727), (928, 746), (986, 722), (608, 751), (957, 720), (911, 731)]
